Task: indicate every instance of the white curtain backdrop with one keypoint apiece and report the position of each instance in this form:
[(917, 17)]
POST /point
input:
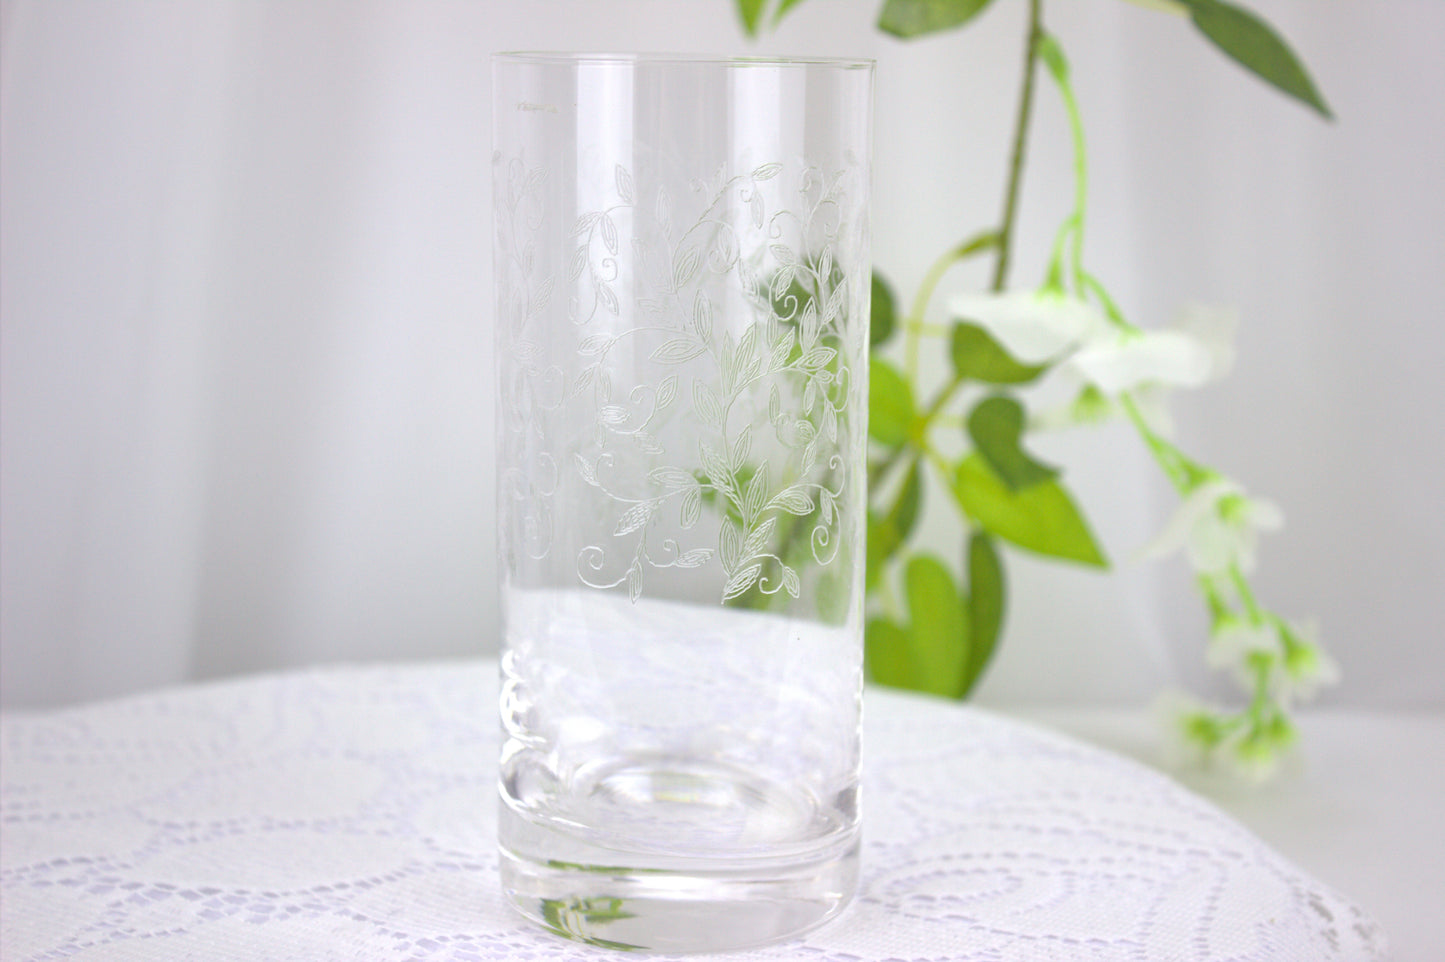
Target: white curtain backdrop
[(245, 342)]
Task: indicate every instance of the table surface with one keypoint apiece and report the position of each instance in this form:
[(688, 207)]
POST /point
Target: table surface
[(1361, 803), (349, 813)]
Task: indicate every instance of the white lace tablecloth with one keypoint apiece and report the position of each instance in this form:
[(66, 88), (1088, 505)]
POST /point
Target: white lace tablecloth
[(348, 814)]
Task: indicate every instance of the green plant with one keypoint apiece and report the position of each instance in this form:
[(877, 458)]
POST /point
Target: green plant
[(927, 631)]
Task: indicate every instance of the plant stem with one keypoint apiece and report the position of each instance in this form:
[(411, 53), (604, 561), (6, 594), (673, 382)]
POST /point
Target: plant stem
[(880, 469), (1183, 473), (1081, 182), (1016, 159), (914, 324), (1246, 595), (1002, 240)]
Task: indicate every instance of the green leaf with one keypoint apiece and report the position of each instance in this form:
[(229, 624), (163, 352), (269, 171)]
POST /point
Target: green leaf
[(891, 412), (904, 513), (883, 542), (562, 918), (986, 598), (914, 18), (1257, 47), (751, 12), (938, 635), (782, 10), (1042, 518), (885, 651), (1164, 6), (886, 535), (996, 424), (978, 356), (884, 313), (1053, 57)]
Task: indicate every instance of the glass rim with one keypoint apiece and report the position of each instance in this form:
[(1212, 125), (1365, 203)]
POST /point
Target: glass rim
[(701, 59)]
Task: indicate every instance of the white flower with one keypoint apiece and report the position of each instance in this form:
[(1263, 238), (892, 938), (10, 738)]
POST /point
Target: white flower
[(1197, 349), (1033, 326), (1218, 526), (1190, 727), (1047, 324), (1124, 360), (1092, 406), (1254, 753), (1234, 639), (1088, 407), (1306, 664)]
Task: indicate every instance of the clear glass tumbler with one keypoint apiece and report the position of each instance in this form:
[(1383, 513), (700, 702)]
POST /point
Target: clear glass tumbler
[(682, 281)]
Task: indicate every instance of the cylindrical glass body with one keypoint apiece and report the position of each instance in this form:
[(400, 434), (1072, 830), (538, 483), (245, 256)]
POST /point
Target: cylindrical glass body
[(682, 282)]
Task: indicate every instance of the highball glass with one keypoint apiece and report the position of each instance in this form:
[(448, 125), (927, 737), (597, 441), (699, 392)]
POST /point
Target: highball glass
[(682, 284)]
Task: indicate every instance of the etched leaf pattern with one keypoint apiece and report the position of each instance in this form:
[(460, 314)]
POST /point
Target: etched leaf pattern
[(782, 264), (531, 388)]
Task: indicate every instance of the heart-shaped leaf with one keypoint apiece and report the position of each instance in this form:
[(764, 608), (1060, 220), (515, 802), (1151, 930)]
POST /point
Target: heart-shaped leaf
[(885, 650), (1042, 518), (996, 425), (891, 412), (986, 599), (938, 632), (977, 356)]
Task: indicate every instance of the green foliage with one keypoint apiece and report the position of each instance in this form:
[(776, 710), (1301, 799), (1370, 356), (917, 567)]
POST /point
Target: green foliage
[(978, 357), (1042, 518), (996, 425), (886, 652), (575, 918), (986, 600), (883, 543), (1053, 57), (888, 533), (950, 636), (1255, 45), (914, 18), (783, 7), (751, 12), (938, 634), (891, 412), (1241, 34), (988, 240), (936, 637), (930, 653), (883, 314)]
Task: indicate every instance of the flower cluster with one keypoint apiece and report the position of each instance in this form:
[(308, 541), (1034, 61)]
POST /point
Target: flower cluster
[(1106, 355), (937, 634), (1122, 369)]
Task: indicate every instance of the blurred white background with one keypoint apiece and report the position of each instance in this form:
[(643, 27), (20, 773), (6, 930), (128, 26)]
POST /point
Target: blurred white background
[(245, 371)]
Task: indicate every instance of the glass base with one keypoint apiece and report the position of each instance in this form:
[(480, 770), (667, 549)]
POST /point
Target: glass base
[(668, 911), (707, 896)]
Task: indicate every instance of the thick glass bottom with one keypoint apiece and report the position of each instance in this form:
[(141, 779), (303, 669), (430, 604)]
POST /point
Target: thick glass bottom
[(680, 887)]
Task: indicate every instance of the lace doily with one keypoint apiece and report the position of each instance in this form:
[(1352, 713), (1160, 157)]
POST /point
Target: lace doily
[(348, 814)]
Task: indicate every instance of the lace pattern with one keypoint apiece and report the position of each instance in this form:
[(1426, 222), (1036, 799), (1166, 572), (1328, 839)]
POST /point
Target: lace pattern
[(348, 813)]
